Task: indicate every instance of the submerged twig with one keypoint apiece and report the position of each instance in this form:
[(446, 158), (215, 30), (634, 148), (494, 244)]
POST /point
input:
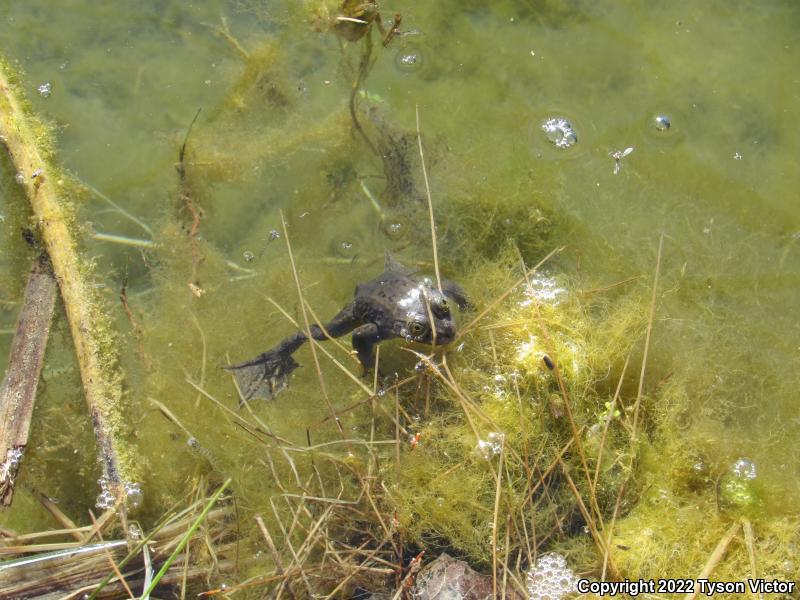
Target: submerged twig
[(715, 558), (123, 240), (188, 203), (18, 390), (117, 208)]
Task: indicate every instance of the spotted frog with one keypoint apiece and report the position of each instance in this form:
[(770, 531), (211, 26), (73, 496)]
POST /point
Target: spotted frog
[(394, 304)]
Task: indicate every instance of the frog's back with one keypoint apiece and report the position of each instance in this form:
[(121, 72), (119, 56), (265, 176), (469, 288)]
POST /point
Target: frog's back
[(379, 300)]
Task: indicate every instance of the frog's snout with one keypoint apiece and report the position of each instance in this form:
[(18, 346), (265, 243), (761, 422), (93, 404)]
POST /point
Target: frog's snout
[(445, 332)]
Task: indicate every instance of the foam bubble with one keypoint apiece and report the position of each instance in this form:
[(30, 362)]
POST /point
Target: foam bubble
[(550, 578)]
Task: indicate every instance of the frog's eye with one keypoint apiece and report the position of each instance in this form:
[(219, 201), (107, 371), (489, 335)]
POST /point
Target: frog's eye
[(416, 328), (444, 306)]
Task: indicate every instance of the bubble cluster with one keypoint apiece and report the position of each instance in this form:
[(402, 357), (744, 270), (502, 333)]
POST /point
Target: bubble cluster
[(248, 256), (491, 446), (133, 494), (45, 89), (736, 489), (559, 132), (135, 532), (10, 464), (551, 578), (106, 498), (544, 289)]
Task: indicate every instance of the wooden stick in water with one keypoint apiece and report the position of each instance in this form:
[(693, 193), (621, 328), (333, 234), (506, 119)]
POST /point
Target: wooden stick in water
[(18, 390)]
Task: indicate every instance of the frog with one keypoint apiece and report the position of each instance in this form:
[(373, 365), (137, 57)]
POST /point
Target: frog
[(395, 304)]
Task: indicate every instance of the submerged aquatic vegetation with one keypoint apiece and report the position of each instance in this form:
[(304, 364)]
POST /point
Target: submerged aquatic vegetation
[(500, 397), (540, 430)]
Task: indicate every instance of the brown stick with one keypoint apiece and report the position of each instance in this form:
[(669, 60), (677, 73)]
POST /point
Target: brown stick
[(18, 390)]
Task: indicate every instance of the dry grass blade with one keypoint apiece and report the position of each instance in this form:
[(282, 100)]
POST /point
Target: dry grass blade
[(430, 203), (185, 539), (112, 562), (599, 541), (276, 557), (647, 339), (497, 493), (716, 557), (634, 433), (750, 543), (18, 390), (308, 329)]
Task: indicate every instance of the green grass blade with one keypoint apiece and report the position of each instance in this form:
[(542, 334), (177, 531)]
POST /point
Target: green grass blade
[(184, 540)]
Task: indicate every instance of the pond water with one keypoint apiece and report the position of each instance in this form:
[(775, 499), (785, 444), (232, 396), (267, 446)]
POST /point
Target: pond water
[(602, 127)]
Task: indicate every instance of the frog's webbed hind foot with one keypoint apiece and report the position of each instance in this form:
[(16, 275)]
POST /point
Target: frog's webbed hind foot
[(264, 376)]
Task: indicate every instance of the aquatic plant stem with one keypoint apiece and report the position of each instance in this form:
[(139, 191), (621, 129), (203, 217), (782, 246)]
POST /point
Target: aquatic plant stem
[(607, 421), (308, 329), (647, 341), (276, 557), (28, 144), (185, 539), (716, 557), (495, 516), (364, 66), (430, 202), (111, 560), (749, 542)]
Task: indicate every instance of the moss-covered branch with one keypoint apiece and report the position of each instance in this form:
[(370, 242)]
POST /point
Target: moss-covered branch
[(29, 146)]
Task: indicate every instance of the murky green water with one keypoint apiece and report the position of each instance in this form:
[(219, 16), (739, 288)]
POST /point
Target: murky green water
[(274, 133)]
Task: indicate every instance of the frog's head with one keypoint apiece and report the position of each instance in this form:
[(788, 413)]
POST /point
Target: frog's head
[(432, 321)]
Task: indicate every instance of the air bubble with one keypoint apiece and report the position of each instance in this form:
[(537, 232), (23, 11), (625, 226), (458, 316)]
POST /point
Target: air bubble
[(45, 89), (492, 446), (559, 132), (248, 256), (744, 468), (736, 487), (19, 178), (106, 498), (133, 495), (345, 248), (662, 122), (395, 228), (409, 59)]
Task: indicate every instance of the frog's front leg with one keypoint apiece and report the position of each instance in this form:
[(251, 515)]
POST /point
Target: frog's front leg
[(364, 339)]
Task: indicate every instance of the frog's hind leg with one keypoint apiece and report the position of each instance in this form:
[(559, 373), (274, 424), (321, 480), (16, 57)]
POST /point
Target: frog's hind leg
[(364, 339), (268, 374), (264, 376)]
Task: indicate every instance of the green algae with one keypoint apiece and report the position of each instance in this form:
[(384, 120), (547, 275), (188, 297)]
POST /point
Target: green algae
[(500, 200)]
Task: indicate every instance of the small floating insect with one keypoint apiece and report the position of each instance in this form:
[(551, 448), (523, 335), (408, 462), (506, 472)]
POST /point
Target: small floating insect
[(618, 155)]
